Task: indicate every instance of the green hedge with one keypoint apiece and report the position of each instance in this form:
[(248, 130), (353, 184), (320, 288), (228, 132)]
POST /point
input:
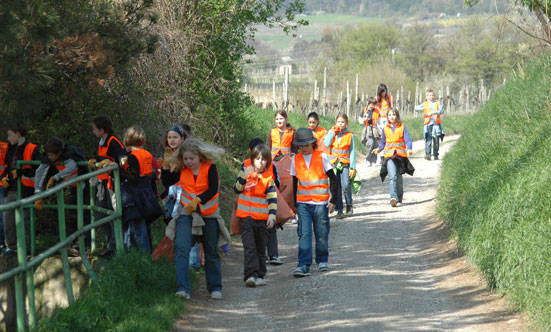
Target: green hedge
[(494, 193)]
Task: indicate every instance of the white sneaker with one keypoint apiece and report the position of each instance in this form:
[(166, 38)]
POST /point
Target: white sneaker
[(216, 295), (184, 294), (260, 282), (250, 282), (294, 220)]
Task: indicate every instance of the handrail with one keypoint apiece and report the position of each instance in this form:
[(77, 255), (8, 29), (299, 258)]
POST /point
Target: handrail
[(27, 267)]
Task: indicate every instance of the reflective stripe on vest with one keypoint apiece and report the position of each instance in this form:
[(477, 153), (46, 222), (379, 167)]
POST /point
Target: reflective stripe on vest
[(191, 188), (341, 149), (426, 112), (3, 151), (27, 156), (253, 202), (395, 142), (102, 152), (313, 183), (145, 160), (384, 106), (282, 145)]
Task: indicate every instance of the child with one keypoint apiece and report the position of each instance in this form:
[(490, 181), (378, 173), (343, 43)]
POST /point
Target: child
[(384, 104), (319, 132), (397, 147), (18, 149), (340, 142), (371, 133), (199, 179), (110, 148), (313, 179), (3, 150), (432, 130), (59, 163), (140, 204), (256, 207)]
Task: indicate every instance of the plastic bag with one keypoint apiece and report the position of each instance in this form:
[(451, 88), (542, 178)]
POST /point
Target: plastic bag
[(165, 250), (356, 184)]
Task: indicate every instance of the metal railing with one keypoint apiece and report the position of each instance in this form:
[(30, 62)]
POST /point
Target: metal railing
[(27, 266)]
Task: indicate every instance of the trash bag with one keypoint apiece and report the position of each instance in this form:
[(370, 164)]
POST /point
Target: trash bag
[(165, 250), (356, 184)]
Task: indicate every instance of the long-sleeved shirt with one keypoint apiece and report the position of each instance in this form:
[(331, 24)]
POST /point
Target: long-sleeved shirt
[(432, 105), (406, 138), (329, 139), (271, 193), (41, 175)]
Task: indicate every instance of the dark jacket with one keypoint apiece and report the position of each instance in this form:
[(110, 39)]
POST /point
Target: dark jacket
[(403, 164)]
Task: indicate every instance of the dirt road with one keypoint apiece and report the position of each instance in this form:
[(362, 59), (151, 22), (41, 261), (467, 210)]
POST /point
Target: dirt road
[(392, 269)]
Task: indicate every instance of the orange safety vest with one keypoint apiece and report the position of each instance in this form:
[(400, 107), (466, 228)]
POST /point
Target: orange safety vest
[(313, 183), (319, 133), (395, 142), (61, 166), (192, 187), (269, 171), (145, 160), (374, 118), (102, 152), (3, 150), (384, 106), (341, 150), (27, 156), (253, 202), (282, 145), (426, 112)]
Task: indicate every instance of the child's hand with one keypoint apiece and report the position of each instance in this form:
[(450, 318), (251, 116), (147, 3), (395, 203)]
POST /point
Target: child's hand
[(336, 129), (375, 151), (92, 163), (271, 221), (410, 152), (5, 182), (192, 205), (352, 173), (51, 183), (331, 207), (39, 205)]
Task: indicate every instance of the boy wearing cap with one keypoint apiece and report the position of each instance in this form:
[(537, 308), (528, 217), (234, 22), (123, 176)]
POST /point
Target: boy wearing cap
[(315, 188)]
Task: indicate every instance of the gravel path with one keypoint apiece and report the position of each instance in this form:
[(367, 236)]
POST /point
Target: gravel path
[(392, 269)]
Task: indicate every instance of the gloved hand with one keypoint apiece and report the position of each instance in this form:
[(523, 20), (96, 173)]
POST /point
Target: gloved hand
[(92, 163), (252, 180), (352, 173), (192, 205), (410, 152), (167, 156), (336, 129), (104, 163), (51, 183), (271, 221), (14, 174), (5, 183), (161, 161), (39, 204), (375, 151)]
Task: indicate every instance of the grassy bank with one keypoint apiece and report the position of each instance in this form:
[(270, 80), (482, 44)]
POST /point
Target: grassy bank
[(494, 193)]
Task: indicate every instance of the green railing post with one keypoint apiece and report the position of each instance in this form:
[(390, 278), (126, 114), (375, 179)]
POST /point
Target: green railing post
[(62, 238), (32, 231), (92, 217), (80, 223), (117, 223), (22, 260)]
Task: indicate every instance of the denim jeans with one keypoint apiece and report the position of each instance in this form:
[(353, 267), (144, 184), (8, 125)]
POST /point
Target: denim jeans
[(182, 246), (396, 183), (2, 238), (136, 234), (431, 142), (317, 216), (343, 185), (371, 144)]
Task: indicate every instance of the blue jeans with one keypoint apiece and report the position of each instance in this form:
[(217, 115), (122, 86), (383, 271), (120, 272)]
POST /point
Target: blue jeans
[(182, 247), (194, 259), (317, 216), (431, 142), (343, 185), (2, 238), (135, 234), (396, 183)]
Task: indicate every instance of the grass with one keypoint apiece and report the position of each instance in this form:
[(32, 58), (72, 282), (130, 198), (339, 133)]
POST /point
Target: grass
[(494, 193), (133, 294), (453, 124)]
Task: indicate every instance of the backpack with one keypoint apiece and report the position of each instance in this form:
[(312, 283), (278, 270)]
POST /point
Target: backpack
[(74, 152)]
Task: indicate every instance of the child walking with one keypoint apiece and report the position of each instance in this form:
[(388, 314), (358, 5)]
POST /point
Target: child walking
[(256, 207), (432, 130), (199, 179), (313, 180), (340, 142), (371, 133), (397, 146)]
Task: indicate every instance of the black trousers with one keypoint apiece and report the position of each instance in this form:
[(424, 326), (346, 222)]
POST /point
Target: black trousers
[(254, 237)]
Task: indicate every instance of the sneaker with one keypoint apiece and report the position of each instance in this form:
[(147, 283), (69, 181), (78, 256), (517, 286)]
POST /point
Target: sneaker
[(294, 220), (427, 157), (250, 282), (216, 295), (275, 260), (9, 252), (393, 202), (260, 282), (340, 215), (184, 294), (322, 267), (301, 271), (349, 210)]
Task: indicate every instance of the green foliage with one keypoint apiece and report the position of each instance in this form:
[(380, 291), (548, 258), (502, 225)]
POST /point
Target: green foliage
[(132, 294), (494, 190)]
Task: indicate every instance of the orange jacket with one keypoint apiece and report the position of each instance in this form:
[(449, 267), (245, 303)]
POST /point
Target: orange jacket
[(192, 187), (313, 183), (341, 150), (282, 146), (395, 142), (426, 112)]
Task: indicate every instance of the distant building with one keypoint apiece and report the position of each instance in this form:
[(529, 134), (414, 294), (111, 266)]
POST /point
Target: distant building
[(281, 69)]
